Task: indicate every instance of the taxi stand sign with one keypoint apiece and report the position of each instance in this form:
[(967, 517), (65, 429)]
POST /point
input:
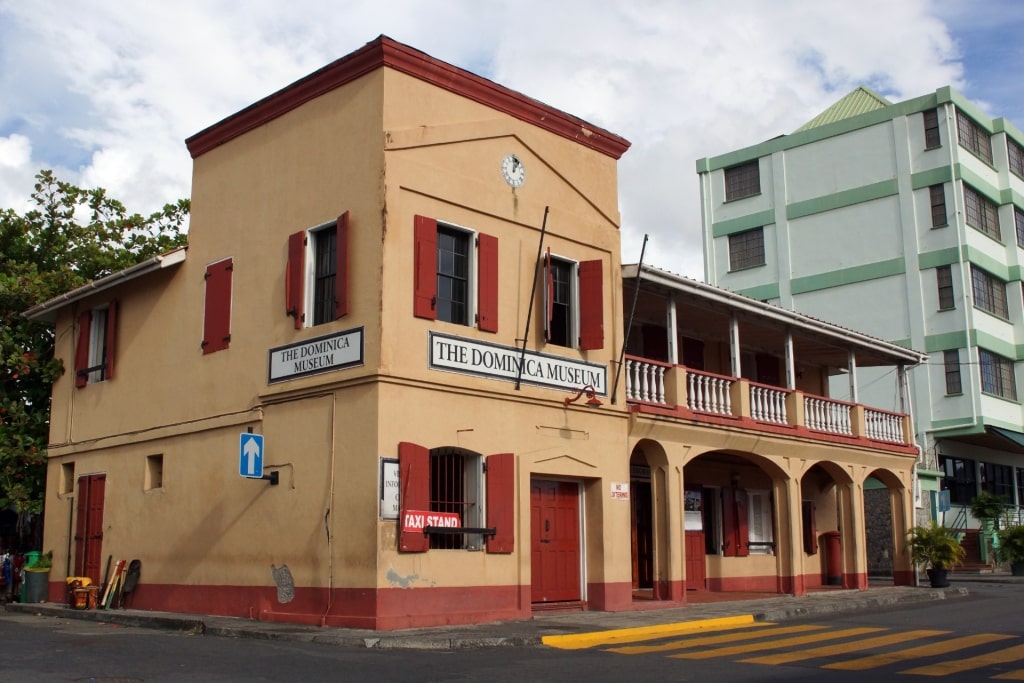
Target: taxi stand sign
[(250, 455)]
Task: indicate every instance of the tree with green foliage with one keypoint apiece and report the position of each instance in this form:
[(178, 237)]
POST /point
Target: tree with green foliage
[(67, 238)]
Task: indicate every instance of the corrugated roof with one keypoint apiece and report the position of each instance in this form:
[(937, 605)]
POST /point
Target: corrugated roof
[(860, 101)]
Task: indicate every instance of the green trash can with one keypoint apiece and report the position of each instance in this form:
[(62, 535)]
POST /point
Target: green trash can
[(30, 557)]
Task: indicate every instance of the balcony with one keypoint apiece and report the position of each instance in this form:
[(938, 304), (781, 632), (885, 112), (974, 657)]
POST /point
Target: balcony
[(659, 388)]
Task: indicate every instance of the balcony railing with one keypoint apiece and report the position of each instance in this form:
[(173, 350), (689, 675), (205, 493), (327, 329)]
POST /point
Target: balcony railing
[(668, 389)]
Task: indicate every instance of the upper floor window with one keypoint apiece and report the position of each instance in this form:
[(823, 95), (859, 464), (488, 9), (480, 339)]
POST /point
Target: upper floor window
[(317, 278), (944, 281), (1016, 155), (743, 180), (573, 303), (989, 292), (746, 249), (973, 137), (1018, 221), (931, 129), (94, 352), (951, 364), (981, 212), (455, 275), (937, 196), (997, 375)]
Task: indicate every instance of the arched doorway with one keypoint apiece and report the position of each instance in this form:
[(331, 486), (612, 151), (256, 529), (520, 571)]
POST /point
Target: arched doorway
[(649, 523)]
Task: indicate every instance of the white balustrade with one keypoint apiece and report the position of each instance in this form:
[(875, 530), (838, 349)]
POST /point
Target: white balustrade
[(768, 404), (645, 381), (883, 426), (825, 415), (708, 393)]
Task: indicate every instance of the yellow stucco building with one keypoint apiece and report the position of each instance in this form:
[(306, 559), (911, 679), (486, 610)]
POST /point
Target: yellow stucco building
[(389, 384)]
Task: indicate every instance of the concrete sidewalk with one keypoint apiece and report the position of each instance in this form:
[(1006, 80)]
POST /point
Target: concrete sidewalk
[(560, 629)]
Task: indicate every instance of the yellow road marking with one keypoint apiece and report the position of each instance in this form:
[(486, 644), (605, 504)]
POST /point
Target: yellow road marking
[(1017, 675), (710, 640), (579, 641), (940, 648), (1010, 654), (842, 648), (776, 644)]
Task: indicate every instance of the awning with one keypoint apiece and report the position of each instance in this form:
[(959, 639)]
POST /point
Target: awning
[(1016, 438)]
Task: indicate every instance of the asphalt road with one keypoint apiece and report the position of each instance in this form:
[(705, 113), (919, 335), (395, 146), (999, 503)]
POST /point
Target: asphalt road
[(986, 628)]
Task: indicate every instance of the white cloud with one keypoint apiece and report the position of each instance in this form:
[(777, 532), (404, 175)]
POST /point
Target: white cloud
[(111, 90)]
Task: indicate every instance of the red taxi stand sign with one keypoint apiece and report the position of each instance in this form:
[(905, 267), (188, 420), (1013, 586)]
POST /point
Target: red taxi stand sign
[(417, 520)]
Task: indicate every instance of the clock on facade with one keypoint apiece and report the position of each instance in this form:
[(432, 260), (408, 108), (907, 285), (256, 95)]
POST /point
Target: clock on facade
[(513, 170)]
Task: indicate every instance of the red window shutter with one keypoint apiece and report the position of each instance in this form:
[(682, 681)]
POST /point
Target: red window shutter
[(591, 305), (414, 493), (488, 283), (111, 345), (341, 268), (295, 277), (742, 524), (501, 502), (82, 349), (81, 526), (217, 319), (425, 268), (549, 295)]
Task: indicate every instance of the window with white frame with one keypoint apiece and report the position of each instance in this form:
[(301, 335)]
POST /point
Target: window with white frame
[(316, 280), (94, 352), (453, 275), (760, 536), (456, 486), (573, 303)]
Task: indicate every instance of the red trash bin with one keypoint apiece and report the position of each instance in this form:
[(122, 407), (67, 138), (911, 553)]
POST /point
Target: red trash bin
[(833, 558)]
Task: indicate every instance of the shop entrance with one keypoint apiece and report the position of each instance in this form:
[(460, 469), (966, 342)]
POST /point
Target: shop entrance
[(89, 530), (642, 526), (555, 541)]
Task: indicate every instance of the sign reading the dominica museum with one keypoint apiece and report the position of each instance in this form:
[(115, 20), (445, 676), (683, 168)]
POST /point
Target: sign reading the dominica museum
[(323, 354), (504, 362)]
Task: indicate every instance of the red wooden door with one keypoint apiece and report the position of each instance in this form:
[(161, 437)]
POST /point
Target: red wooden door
[(89, 530), (696, 565), (555, 541), (643, 534)]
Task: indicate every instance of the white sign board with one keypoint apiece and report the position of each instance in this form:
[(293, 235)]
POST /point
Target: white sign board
[(620, 490), (388, 488), (323, 354), (504, 362)]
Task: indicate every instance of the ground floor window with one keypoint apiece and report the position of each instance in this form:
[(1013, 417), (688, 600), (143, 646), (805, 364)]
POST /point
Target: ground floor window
[(455, 482), (959, 479), (998, 480), (759, 529)]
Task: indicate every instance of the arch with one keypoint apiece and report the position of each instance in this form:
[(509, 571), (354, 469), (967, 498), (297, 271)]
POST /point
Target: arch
[(652, 552), (887, 520)]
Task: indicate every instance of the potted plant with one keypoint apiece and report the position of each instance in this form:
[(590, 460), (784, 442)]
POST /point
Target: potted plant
[(1011, 548), (37, 577), (987, 508), (937, 548)]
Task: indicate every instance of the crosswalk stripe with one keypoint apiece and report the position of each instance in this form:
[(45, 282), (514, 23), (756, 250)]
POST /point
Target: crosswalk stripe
[(1017, 675), (1010, 654), (703, 641), (776, 644), (842, 648), (940, 648)]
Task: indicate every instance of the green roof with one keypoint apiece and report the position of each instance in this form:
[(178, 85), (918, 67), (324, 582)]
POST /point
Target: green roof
[(860, 101)]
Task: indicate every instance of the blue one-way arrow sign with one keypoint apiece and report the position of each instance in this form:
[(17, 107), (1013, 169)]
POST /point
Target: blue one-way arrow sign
[(250, 455)]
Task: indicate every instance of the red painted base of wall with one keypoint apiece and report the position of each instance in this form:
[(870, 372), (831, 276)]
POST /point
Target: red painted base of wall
[(384, 610), (903, 578), (744, 584)]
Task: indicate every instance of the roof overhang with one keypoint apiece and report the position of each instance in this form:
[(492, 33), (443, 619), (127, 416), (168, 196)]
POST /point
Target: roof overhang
[(47, 311), (841, 336)]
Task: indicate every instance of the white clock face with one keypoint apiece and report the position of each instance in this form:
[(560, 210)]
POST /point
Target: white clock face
[(513, 170)]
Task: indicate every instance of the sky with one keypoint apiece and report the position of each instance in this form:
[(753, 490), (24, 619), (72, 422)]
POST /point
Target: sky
[(105, 92)]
